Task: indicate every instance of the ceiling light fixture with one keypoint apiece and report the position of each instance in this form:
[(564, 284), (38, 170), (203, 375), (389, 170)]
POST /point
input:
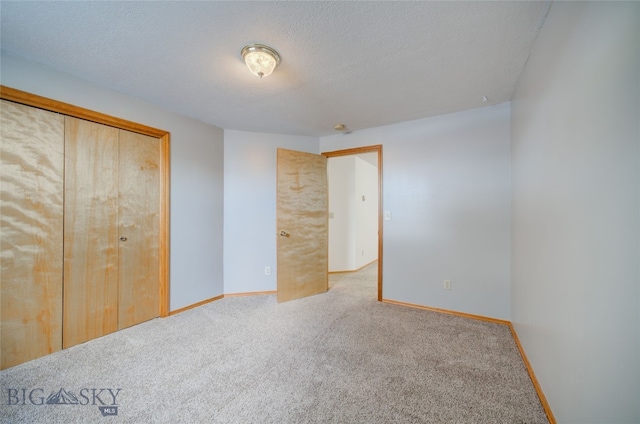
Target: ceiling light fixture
[(260, 59), (340, 127)]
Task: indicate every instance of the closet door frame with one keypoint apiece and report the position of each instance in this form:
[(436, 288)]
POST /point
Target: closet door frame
[(33, 100)]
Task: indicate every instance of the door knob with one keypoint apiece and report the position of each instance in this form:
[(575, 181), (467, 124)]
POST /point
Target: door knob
[(284, 234), (123, 238)]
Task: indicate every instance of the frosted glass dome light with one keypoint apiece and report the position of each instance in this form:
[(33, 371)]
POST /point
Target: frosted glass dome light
[(260, 59)]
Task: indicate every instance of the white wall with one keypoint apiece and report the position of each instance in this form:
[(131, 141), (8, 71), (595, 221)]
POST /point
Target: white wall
[(366, 216), (576, 225), (342, 231), (446, 183), (196, 172), (250, 206)]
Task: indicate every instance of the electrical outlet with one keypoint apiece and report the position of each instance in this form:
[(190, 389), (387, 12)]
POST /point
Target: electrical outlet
[(446, 285), (267, 270)]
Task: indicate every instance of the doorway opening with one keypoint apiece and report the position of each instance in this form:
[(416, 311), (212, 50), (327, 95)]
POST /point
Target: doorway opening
[(357, 253)]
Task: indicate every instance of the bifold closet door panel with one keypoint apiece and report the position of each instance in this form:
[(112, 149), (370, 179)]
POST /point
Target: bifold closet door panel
[(139, 261), (31, 218), (90, 231)]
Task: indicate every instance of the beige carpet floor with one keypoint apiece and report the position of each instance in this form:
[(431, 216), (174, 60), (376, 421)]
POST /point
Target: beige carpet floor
[(338, 357)]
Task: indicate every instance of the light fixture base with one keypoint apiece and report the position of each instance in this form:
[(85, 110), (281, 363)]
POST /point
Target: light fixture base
[(260, 59)]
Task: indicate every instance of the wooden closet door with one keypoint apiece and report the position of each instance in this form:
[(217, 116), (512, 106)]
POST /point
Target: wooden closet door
[(31, 218), (90, 231), (139, 229)]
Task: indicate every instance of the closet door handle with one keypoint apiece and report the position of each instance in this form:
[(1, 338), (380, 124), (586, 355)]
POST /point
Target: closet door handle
[(123, 238)]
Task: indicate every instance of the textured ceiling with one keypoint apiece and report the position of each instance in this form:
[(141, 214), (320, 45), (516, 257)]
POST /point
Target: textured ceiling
[(361, 63)]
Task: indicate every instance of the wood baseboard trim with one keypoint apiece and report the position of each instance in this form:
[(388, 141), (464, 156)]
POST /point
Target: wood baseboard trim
[(353, 270), (260, 293), (195, 305), (447, 311), (213, 299), (532, 376)]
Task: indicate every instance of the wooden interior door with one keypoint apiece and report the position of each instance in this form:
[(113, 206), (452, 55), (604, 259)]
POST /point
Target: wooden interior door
[(90, 231), (139, 229), (302, 224), (31, 219)]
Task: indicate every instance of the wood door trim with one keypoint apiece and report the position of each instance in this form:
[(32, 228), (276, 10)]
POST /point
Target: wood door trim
[(377, 148), (165, 222), (22, 97), (45, 103)]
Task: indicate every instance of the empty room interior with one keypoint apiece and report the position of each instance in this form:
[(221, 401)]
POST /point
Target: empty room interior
[(214, 180)]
